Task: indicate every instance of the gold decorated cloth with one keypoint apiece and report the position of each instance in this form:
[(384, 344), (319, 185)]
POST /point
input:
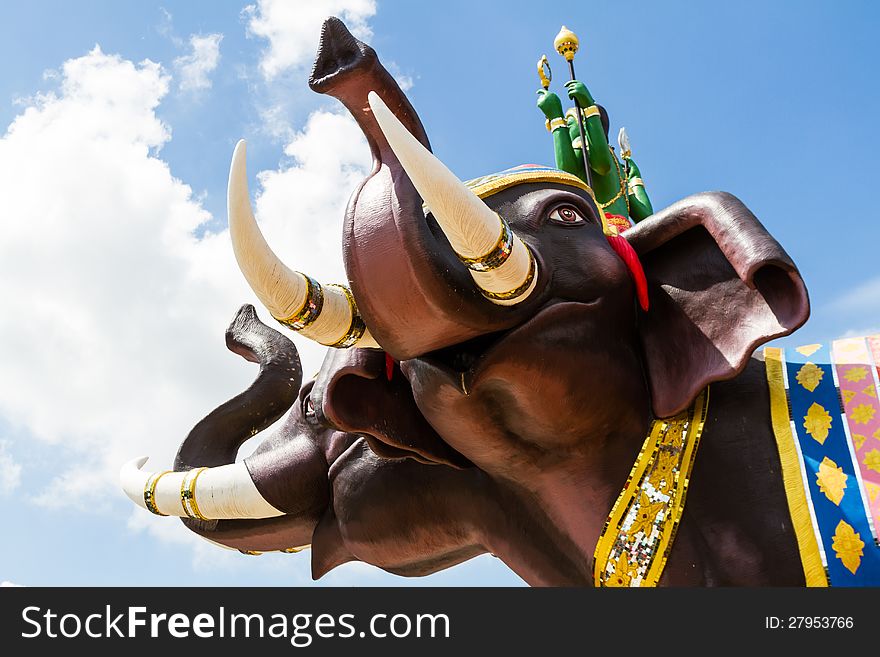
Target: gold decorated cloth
[(640, 529), (826, 419)]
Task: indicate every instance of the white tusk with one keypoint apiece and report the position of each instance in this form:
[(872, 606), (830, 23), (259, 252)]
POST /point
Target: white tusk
[(324, 313), (472, 228), (224, 492)]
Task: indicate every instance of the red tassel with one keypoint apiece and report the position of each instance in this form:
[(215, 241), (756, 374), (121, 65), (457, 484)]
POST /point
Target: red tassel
[(389, 366), (631, 259)]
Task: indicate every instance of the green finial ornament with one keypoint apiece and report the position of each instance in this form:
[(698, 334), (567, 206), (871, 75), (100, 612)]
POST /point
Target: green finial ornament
[(581, 147)]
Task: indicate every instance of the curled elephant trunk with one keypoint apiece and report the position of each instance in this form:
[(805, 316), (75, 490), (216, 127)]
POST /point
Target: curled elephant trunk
[(325, 313), (412, 289), (224, 492), (502, 266), (206, 484)]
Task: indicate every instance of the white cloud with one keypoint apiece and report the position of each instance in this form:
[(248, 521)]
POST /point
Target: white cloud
[(4, 584), (274, 123), (292, 31), (860, 332), (195, 68), (10, 471), (114, 312), (406, 82), (293, 28), (858, 308), (863, 298), (166, 27), (75, 488)]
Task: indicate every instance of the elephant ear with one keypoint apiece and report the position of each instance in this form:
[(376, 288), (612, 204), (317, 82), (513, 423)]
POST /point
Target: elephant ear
[(352, 393), (719, 287)]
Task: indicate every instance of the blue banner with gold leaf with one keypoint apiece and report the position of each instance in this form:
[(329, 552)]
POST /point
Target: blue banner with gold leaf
[(833, 486)]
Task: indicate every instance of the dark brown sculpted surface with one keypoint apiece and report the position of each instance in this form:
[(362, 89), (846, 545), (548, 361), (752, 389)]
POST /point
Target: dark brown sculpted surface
[(512, 430)]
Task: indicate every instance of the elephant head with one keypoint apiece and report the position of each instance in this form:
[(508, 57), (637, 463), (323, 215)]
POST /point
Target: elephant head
[(719, 286), (525, 372), (551, 393)]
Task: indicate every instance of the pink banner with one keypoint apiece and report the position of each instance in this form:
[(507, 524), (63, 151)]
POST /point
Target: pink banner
[(856, 361)]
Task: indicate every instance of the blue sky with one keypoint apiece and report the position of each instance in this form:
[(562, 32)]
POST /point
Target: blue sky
[(116, 275)]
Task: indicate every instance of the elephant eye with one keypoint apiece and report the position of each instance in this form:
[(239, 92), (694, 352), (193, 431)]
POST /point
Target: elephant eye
[(567, 215)]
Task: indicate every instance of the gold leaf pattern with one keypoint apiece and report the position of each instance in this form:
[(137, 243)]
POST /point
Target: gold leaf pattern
[(645, 515), (856, 374), (863, 413), (623, 572), (872, 460), (817, 422), (809, 349), (847, 396), (809, 376), (673, 435), (869, 390), (832, 480), (858, 440), (876, 433), (873, 491), (664, 470), (848, 546)]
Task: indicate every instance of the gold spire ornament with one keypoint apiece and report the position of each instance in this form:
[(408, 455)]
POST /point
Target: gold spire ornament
[(566, 43)]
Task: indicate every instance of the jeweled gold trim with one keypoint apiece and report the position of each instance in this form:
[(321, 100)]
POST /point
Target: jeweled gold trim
[(658, 481), (311, 308), (356, 327), (188, 494), (636, 182), (497, 255), (558, 123), (694, 432), (513, 294), (150, 492), (294, 550), (500, 183)]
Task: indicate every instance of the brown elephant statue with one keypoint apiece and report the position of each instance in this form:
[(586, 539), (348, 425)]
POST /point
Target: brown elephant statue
[(491, 394)]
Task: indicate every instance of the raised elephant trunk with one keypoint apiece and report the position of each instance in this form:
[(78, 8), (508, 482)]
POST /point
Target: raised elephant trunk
[(412, 290), (206, 483), (216, 438)]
